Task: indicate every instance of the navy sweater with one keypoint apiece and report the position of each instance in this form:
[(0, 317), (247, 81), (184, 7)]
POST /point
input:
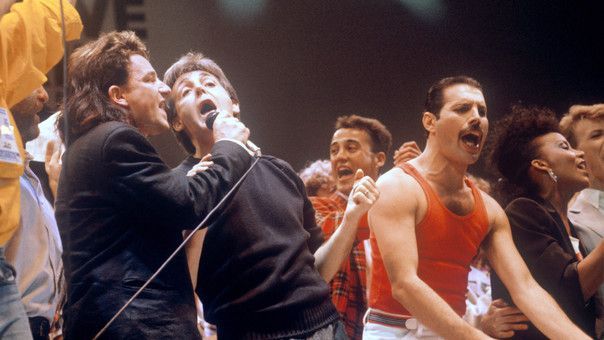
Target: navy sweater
[(256, 277)]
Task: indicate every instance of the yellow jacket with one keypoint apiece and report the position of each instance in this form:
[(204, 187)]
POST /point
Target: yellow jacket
[(30, 45)]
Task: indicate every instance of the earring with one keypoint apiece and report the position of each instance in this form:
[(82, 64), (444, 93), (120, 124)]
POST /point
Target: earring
[(552, 175)]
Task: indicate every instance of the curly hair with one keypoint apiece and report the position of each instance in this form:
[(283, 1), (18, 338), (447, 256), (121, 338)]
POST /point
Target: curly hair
[(512, 149), (192, 61), (93, 68), (380, 136), (315, 175)]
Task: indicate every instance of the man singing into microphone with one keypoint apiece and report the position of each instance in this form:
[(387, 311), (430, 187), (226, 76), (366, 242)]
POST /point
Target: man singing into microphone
[(257, 275), (120, 209)]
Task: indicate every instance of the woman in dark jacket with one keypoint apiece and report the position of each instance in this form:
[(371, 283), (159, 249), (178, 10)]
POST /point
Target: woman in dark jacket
[(540, 174)]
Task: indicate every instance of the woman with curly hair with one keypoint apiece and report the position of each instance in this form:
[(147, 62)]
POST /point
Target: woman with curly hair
[(540, 173)]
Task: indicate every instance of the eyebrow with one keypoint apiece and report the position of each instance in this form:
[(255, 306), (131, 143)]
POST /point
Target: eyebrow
[(149, 74), (471, 102), (349, 140), (186, 80), (179, 83)]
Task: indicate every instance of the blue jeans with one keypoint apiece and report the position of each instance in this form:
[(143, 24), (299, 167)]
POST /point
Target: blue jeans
[(14, 323)]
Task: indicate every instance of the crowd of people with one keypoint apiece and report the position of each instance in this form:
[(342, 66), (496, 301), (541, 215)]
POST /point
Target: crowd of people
[(342, 250)]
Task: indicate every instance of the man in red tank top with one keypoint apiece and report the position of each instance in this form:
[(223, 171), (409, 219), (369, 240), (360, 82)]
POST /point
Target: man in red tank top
[(428, 224)]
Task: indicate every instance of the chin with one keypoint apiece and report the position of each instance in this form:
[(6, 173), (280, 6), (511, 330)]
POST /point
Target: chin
[(473, 160), (582, 183)]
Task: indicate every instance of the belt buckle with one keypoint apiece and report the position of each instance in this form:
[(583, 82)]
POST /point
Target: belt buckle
[(411, 323)]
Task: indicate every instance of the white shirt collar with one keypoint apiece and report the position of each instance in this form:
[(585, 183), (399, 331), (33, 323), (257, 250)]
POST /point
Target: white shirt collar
[(593, 197)]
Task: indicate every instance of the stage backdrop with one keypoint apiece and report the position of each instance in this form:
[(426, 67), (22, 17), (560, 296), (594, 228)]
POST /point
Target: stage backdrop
[(298, 65)]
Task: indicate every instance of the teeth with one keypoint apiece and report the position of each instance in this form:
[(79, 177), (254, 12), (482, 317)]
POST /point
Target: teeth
[(471, 144), (471, 140)]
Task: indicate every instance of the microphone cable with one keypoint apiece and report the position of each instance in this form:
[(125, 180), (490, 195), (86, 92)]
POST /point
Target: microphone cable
[(184, 242), (64, 99)]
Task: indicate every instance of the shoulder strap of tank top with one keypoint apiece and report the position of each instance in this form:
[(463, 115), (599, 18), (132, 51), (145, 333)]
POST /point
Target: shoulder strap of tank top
[(479, 206), (428, 191)]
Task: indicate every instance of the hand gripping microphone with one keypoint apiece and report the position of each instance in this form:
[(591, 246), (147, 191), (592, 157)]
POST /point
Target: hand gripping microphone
[(210, 125), (211, 118), (251, 146)]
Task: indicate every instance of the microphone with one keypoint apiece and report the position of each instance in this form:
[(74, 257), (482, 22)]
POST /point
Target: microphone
[(211, 118), (210, 125)]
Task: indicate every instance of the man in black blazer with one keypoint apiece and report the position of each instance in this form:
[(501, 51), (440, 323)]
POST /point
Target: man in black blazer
[(120, 209)]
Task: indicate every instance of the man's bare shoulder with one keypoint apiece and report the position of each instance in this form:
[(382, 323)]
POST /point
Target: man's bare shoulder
[(494, 211), (397, 181), (400, 193)]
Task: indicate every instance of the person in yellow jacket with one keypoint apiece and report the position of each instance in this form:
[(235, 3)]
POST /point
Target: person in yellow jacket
[(30, 44)]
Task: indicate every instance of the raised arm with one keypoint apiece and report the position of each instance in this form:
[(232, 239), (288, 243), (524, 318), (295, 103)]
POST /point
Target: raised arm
[(392, 220), (527, 295), (170, 199), (331, 254)]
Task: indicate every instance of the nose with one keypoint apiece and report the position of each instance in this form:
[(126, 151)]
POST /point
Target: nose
[(474, 121), (163, 88), (579, 153), (340, 154), (199, 88)]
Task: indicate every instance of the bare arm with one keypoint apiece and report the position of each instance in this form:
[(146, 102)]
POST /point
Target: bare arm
[(393, 220), (591, 271), (330, 255), (528, 296)]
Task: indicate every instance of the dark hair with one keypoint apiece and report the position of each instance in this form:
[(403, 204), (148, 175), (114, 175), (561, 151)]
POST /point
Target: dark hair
[(192, 61), (93, 68), (434, 98), (513, 148), (380, 136)]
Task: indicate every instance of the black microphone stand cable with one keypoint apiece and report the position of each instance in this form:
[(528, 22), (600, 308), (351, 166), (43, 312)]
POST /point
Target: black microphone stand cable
[(184, 242), (63, 286)]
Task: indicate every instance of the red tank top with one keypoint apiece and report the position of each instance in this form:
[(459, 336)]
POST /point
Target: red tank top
[(446, 244)]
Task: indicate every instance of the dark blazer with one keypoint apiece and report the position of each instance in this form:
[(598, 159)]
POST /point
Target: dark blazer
[(543, 243), (121, 212)]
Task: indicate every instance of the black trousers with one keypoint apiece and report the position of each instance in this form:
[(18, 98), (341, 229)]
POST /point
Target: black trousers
[(39, 328)]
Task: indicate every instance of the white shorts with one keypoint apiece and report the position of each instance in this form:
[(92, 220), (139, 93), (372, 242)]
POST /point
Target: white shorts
[(409, 329)]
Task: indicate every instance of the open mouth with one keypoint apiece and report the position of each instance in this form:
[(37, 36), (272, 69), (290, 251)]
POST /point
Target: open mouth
[(582, 165), (206, 107), (344, 172), (472, 139)]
